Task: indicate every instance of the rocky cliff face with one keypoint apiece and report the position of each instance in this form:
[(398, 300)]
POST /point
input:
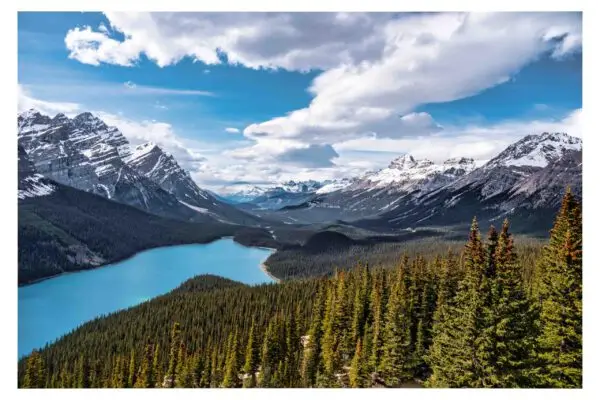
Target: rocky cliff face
[(85, 153)]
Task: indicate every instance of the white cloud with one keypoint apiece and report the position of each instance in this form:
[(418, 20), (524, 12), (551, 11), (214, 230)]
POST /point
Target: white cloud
[(232, 130), (186, 152), (427, 58), (129, 85), (481, 142), (25, 102), (377, 67), (294, 41)]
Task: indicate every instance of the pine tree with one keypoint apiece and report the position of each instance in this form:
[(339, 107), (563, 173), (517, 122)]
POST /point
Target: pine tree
[(361, 305), (513, 330), (453, 359), (358, 367), (156, 369), (271, 353), (205, 378), (328, 344), (252, 359), (35, 371), (230, 380), (397, 329), (377, 303), (131, 375), (182, 372), (173, 353), (312, 349), (292, 348), (83, 373), (145, 377), (560, 298)]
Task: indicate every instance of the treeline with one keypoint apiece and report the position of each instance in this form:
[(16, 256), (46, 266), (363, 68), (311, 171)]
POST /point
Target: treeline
[(293, 262), (478, 319)]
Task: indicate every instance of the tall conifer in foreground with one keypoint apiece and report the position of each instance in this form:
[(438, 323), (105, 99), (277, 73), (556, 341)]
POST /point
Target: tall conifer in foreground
[(456, 364), (560, 298)]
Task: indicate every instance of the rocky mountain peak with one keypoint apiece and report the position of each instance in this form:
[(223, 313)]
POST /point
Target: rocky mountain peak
[(60, 119), (405, 161), (89, 122), (536, 150)]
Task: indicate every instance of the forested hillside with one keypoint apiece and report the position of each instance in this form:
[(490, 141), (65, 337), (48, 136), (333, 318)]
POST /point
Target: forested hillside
[(486, 317)]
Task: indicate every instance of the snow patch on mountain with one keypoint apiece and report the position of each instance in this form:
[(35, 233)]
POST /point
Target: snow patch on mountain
[(33, 186), (536, 150)]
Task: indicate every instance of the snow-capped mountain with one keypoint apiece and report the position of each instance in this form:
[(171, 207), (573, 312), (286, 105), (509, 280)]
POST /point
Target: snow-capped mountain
[(517, 162), (272, 197), (530, 174), (31, 184), (407, 174), (524, 182), (334, 185), (85, 153), (161, 168), (404, 180)]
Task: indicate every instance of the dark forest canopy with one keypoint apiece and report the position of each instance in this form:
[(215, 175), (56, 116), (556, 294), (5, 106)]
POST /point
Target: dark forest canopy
[(489, 316)]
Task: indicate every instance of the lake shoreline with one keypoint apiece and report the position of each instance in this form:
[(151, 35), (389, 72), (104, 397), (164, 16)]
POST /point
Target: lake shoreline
[(115, 287), (121, 259)]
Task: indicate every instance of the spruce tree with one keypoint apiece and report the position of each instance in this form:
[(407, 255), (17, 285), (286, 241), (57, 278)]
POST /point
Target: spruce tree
[(312, 347), (397, 329), (35, 372), (230, 379), (513, 329), (173, 354), (377, 302), (559, 345), (132, 371), (453, 359), (252, 359)]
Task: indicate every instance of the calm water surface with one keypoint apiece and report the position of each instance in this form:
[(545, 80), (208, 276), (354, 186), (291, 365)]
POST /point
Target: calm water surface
[(52, 308)]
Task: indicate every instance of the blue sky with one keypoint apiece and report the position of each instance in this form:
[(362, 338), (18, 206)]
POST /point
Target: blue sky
[(264, 98)]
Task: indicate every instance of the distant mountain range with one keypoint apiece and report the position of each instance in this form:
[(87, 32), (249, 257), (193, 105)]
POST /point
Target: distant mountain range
[(523, 181), (87, 197), (273, 197), (85, 153)]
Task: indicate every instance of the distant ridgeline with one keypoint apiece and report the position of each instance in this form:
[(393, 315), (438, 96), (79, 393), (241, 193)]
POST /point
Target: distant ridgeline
[(482, 318)]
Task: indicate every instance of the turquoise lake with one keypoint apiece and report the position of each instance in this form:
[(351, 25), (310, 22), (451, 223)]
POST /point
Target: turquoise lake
[(54, 307)]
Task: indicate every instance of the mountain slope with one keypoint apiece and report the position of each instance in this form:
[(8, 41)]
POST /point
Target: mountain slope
[(525, 182), (402, 183), (161, 168), (86, 154), (70, 229)]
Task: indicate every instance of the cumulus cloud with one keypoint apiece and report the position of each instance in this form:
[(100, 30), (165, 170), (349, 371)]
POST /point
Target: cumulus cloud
[(378, 67), (481, 142), (428, 58), (294, 41), (232, 130), (313, 156), (375, 70)]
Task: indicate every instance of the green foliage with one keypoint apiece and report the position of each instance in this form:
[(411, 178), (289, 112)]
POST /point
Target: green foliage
[(559, 296), (484, 317)]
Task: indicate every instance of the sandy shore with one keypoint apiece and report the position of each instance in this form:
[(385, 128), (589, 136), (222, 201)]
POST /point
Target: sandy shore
[(266, 271)]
